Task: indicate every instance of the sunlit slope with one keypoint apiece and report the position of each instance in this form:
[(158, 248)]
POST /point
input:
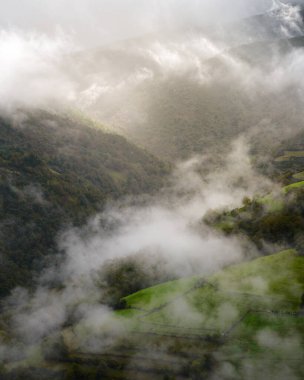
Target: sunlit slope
[(269, 284), (247, 316)]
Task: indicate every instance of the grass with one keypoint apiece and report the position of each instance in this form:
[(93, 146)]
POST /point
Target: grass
[(268, 337), (251, 308), (293, 186), (156, 296), (299, 176), (228, 314), (273, 204), (269, 283), (288, 154)]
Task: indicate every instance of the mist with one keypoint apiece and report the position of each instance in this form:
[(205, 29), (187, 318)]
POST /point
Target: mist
[(164, 228), (98, 22), (35, 55), (119, 83), (227, 73)]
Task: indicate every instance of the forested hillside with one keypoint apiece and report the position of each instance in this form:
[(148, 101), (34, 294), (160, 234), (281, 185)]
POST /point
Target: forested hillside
[(276, 217), (57, 170)]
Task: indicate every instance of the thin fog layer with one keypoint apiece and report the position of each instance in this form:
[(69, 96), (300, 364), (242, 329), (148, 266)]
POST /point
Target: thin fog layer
[(166, 228), (30, 73), (127, 85), (96, 22), (52, 64)]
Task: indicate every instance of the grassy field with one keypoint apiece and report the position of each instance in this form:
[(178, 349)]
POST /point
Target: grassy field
[(293, 186), (247, 315), (299, 176), (272, 203), (233, 299), (289, 154)]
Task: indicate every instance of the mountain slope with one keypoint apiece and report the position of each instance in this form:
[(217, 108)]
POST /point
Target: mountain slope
[(57, 170), (186, 95), (276, 278)]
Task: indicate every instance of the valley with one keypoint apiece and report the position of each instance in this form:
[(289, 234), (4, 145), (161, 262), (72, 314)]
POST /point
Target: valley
[(152, 190)]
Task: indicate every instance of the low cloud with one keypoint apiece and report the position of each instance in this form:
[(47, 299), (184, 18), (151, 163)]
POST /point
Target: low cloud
[(165, 227), (30, 70), (43, 68)]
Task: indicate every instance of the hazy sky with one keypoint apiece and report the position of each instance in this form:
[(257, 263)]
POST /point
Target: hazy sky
[(93, 22)]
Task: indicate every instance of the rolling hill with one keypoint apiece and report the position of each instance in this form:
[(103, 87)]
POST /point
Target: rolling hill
[(246, 315)]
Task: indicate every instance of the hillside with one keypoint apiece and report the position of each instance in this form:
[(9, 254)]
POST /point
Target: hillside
[(152, 190), (192, 91), (276, 217), (57, 170), (273, 281), (247, 314), (191, 95)]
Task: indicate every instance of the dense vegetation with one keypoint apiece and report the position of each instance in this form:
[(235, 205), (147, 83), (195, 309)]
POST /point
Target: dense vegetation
[(58, 170), (277, 218), (121, 277)]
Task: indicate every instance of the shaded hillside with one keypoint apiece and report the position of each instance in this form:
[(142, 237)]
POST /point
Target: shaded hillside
[(185, 118), (275, 219), (261, 53), (187, 115), (58, 170)]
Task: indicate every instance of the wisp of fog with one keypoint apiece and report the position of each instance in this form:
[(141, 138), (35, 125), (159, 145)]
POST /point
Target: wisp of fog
[(114, 68)]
